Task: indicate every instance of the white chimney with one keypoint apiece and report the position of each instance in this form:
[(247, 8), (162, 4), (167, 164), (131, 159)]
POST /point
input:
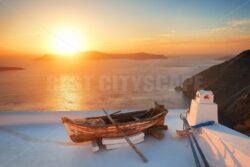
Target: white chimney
[(203, 108)]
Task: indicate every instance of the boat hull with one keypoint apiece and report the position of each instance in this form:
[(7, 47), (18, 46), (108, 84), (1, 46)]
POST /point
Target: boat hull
[(80, 133)]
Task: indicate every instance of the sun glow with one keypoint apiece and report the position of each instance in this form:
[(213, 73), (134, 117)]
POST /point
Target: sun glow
[(67, 42)]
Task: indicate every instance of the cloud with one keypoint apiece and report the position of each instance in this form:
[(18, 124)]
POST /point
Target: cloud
[(168, 34), (223, 29), (173, 31), (236, 23), (233, 25)]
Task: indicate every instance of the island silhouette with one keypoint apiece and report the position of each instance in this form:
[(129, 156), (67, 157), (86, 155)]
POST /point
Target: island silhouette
[(96, 55)]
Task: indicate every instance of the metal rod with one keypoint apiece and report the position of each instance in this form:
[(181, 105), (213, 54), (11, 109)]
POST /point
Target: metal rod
[(195, 141), (200, 151), (198, 146), (196, 159), (143, 158)]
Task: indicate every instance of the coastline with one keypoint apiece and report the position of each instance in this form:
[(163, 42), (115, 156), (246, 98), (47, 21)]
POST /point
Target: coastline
[(10, 68)]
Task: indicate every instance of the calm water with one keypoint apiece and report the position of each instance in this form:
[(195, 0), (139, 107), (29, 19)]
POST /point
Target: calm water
[(93, 85)]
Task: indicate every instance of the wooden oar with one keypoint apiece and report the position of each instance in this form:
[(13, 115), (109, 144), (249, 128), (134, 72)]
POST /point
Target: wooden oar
[(144, 159)]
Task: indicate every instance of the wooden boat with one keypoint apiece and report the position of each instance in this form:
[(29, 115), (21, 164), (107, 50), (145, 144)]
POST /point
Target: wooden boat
[(94, 128)]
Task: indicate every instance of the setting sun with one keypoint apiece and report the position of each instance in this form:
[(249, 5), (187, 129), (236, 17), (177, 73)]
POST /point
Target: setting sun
[(67, 41), (152, 80)]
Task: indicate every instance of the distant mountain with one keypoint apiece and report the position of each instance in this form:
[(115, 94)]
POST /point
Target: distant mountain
[(230, 82), (10, 68), (224, 58), (95, 55), (237, 109)]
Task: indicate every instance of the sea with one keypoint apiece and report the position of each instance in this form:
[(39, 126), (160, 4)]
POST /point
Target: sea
[(119, 84)]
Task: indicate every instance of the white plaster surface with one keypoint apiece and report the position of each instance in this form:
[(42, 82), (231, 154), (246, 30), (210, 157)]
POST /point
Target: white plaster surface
[(202, 112), (38, 139)]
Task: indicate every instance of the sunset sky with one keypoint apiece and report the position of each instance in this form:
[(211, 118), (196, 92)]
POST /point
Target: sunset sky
[(172, 27)]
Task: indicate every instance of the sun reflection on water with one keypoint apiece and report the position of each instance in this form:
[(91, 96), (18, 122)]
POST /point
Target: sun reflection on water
[(68, 94)]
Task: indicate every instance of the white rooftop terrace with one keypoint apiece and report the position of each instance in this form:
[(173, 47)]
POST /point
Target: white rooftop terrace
[(39, 139)]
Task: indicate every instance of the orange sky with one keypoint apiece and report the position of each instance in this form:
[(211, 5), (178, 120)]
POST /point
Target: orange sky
[(171, 28)]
